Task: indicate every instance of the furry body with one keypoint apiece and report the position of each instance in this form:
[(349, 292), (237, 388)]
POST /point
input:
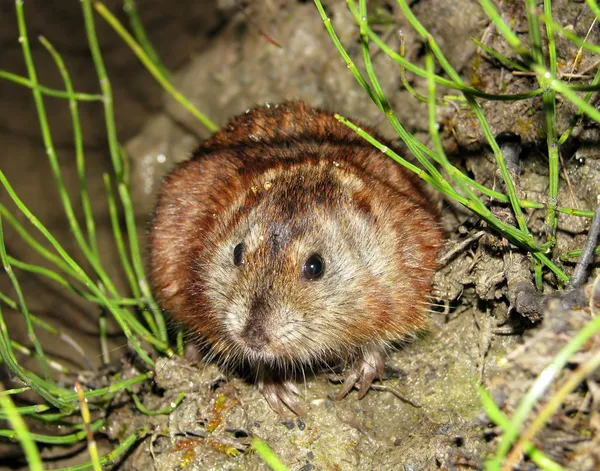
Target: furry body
[(277, 189)]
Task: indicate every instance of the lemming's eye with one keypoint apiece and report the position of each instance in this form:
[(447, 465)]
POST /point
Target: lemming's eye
[(238, 254), (313, 268)]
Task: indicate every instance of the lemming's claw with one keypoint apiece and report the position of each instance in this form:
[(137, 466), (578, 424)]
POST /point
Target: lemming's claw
[(362, 374), (282, 393)]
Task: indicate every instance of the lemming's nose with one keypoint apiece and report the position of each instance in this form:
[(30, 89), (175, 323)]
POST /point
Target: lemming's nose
[(254, 333)]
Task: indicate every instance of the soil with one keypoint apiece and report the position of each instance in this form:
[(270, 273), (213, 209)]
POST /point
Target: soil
[(227, 57)]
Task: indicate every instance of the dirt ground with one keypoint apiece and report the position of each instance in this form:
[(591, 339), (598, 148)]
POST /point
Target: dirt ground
[(426, 414)]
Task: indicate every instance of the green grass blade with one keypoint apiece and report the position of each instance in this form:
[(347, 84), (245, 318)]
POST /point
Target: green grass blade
[(138, 264), (48, 91), (541, 384), (79, 155), (500, 419), (56, 439), (23, 305), (549, 100), (22, 433), (495, 54), (43, 388), (118, 237), (151, 66), (267, 455), (504, 29), (139, 31), (105, 86)]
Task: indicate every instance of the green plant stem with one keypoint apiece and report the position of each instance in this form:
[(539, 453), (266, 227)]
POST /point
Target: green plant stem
[(151, 66), (595, 82), (500, 419), (594, 7), (51, 275), (14, 391), (124, 318), (50, 150), (535, 35), (505, 30), (139, 31), (56, 439), (118, 237), (48, 91), (384, 106), (549, 100), (28, 410), (179, 342), (31, 380), (568, 92), (554, 403), (510, 187), (543, 381), (103, 337), (23, 305), (138, 265), (105, 394), (79, 156), (11, 303), (267, 455), (164, 411), (577, 253), (116, 155), (440, 80), (495, 54), (105, 86), (109, 458), (36, 246), (21, 432)]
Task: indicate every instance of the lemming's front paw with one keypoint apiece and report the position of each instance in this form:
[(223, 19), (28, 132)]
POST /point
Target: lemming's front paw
[(281, 393), (365, 370)]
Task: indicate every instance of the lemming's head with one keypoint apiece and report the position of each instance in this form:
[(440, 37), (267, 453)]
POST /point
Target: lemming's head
[(301, 268)]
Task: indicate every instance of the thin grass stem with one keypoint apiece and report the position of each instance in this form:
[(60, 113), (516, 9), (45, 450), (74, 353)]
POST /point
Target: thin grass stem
[(138, 265), (496, 55), (139, 31), (164, 411), (151, 67), (549, 100), (21, 432), (443, 81), (31, 335), (79, 155), (105, 86), (268, 456), (11, 303), (31, 380), (122, 316), (56, 439), (109, 458), (385, 107), (48, 91), (541, 384), (118, 237), (500, 419), (554, 403), (50, 150), (510, 187), (89, 432)]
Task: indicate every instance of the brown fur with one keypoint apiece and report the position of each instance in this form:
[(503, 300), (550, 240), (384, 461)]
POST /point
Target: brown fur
[(289, 181)]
